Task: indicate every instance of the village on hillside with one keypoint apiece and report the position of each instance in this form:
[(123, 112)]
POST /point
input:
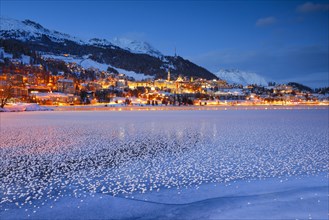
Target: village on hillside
[(22, 81)]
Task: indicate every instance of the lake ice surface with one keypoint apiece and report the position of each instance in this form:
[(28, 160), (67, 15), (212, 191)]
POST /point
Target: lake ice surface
[(175, 164)]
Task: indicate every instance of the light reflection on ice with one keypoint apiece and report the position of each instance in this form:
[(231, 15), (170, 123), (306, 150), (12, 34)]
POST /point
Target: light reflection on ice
[(50, 155)]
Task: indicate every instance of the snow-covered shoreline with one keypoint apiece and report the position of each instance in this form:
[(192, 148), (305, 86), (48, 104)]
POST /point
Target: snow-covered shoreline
[(138, 107), (21, 107)]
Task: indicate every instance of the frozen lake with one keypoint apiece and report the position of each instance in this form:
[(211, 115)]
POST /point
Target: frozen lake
[(172, 164)]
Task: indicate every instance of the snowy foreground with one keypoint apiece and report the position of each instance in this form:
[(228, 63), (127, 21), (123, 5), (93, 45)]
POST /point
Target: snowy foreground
[(235, 164), (20, 107)]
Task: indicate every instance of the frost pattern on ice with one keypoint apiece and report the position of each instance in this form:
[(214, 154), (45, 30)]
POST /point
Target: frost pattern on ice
[(51, 155)]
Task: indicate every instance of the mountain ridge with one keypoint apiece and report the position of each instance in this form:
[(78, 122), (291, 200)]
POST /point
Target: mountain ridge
[(236, 76), (29, 30), (28, 35)]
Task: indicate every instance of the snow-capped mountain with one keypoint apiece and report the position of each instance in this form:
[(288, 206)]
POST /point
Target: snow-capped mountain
[(136, 46), (240, 77), (133, 46), (100, 42), (26, 37), (28, 30)]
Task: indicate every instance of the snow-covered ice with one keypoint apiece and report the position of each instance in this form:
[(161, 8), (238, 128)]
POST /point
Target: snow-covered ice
[(175, 164)]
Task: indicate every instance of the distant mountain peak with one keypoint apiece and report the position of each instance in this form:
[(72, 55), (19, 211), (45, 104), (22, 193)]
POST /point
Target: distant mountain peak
[(240, 77), (135, 46), (29, 30), (99, 42)]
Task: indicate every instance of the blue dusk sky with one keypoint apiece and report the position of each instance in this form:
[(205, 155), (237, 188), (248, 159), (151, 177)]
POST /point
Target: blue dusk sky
[(280, 40)]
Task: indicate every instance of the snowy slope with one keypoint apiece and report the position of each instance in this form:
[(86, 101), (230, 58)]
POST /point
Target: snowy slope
[(136, 46), (4, 54), (86, 63), (100, 42), (119, 52), (240, 77), (131, 45), (29, 30)]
